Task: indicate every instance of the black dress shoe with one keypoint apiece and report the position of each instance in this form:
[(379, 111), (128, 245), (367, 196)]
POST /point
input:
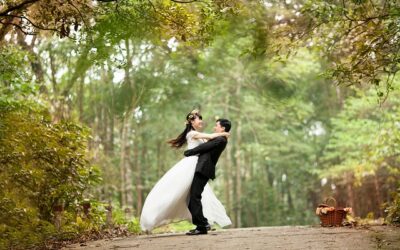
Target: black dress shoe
[(196, 232), (208, 228)]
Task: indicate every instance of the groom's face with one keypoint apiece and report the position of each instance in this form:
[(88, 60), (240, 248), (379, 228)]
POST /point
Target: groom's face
[(218, 128)]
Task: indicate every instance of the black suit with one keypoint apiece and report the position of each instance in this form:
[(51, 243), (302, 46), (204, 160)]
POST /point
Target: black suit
[(205, 170)]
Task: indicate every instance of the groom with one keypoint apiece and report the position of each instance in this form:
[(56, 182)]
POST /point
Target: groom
[(209, 153)]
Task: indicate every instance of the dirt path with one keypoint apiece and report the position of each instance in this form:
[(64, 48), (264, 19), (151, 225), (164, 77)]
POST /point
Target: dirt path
[(288, 237)]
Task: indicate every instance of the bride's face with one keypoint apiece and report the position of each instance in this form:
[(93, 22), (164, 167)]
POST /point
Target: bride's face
[(197, 123)]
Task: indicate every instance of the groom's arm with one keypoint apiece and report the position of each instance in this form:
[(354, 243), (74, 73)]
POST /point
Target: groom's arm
[(205, 147)]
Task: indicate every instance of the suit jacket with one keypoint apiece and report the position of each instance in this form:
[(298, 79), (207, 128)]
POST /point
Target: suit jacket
[(209, 154)]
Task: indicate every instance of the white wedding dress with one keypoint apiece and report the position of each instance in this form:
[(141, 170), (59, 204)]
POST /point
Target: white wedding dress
[(169, 198)]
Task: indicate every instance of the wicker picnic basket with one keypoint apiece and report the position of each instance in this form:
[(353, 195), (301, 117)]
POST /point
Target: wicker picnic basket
[(331, 215)]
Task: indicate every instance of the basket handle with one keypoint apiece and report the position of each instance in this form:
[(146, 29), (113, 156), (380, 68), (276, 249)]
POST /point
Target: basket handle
[(330, 198)]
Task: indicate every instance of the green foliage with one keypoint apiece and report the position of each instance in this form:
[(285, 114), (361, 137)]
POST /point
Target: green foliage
[(364, 137), (143, 65), (43, 164), (359, 38), (134, 226), (46, 161), (62, 19), (179, 226), (119, 216), (393, 209), (15, 80), (30, 233), (11, 60)]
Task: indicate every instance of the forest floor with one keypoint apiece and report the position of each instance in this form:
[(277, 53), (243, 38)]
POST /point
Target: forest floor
[(284, 237)]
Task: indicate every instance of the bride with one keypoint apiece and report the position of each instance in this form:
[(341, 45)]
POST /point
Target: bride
[(168, 200)]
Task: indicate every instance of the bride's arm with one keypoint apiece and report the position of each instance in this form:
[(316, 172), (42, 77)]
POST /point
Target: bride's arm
[(209, 136)]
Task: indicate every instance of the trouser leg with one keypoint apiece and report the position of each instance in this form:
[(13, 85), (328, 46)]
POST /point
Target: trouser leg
[(195, 207)]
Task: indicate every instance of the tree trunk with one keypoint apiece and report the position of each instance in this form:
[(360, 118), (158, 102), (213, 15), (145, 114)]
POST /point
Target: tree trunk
[(378, 194), (339, 96), (289, 194), (238, 158), (122, 163), (35, 63), (228, 168), (111, 108), (159, 159), (239, 165), (82, 65), (350, 191), (80, 100), (5, 28), (126, 170), (139, 185)]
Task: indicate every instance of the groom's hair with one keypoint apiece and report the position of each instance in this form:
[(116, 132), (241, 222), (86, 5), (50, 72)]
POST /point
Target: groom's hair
[(224, 123)]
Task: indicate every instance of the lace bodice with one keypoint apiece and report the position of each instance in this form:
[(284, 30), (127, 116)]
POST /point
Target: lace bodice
[(192, 143)]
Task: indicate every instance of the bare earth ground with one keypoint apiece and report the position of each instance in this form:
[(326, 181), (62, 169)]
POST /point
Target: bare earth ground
[(286, 237)]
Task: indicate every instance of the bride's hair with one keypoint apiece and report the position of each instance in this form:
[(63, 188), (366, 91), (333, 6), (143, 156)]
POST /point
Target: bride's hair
[(181, 139)]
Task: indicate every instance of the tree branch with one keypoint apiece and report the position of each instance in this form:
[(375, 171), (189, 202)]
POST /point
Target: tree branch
[(178, 1), (80, 13), (19, 27), (344, 12), (32, 23), (18, 6), (163, 15)]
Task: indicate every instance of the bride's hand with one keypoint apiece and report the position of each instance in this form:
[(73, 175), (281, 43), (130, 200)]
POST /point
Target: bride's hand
[(226, 134)]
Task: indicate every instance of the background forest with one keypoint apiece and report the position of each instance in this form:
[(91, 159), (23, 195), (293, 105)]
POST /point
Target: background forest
[(90, 91)]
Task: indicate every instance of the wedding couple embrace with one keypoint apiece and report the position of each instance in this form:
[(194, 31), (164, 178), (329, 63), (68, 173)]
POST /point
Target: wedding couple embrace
[(183, 192)]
